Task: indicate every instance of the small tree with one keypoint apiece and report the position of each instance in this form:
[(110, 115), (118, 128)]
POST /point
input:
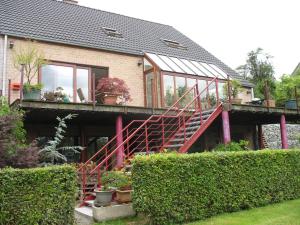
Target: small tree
[(32, 59), (286, 88), (259, 70), (235, 88), (52, 150)]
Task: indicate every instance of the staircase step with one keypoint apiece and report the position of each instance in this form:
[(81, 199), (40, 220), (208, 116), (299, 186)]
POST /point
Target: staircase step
[(174, 146), (178, 140), (192, 123), (188, 134), (206, 112), (197, 117)]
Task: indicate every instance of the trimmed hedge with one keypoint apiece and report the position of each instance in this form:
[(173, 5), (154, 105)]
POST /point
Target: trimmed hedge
[(175, 188), (37, 196)]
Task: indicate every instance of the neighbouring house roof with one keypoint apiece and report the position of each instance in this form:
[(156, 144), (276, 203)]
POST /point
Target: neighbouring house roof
[(296, 70), (56, 21)]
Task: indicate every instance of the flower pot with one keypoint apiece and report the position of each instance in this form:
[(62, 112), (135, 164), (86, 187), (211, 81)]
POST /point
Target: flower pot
[(103, 198), (110, 99), (291, 104), (32, 94), (269, 103), (124, 196), (236, 101)]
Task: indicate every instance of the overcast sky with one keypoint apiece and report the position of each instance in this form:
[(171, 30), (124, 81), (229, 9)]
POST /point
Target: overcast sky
[(229, 29)]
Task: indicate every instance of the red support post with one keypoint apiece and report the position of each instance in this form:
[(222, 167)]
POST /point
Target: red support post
[(120, 151), (163, 130), (284, 139), (226, 127)]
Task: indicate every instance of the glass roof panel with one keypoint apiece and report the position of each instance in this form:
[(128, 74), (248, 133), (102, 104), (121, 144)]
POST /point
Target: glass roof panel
[(159, 62), (171, 64), (194, 67), (224, 75), (198, 70), (208, 70), (182, 65), (204, 71)]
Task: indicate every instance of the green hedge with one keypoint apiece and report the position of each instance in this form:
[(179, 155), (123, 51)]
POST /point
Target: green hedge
[(37, 196), (175, 188)]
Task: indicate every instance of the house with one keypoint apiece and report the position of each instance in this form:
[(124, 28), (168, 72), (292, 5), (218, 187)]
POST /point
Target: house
[(160, 65), (296, 70)]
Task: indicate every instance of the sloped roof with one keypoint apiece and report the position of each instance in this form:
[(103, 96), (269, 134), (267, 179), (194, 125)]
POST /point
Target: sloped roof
[(60, 22)]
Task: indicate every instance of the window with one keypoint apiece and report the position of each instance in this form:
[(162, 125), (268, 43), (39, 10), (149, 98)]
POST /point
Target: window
[(68, 78), (168, 90), (174, 44), (55, 77), (112, 32)]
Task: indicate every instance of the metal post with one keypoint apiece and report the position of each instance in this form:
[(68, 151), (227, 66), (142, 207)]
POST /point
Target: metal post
[(120, 150), (217, 92), (229, 89), (163, 130), (226, 127), (21, 82), (146, 133), (284, 139), (296, 97), (93, 90), (9, 92)]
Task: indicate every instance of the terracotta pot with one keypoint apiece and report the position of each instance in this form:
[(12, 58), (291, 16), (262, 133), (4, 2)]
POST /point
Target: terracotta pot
[(236, 101), (124, 196), (270, 103), (110, 99)]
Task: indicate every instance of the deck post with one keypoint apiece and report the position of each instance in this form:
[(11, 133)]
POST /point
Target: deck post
[(284, 139), (226, 127), (120, 151)]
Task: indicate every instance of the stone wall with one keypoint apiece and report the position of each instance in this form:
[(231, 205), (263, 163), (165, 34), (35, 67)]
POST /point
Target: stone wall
[(273, 136)]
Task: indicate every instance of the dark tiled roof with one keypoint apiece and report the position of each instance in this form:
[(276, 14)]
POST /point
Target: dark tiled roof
[(50, 20)]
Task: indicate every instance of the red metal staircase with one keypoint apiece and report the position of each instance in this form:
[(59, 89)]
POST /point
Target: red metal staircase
[(178, 128)]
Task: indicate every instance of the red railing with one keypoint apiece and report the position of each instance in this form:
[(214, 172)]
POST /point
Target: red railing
[(151, 135)]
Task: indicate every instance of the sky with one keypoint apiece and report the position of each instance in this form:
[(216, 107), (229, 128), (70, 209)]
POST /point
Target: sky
[(228, 29)]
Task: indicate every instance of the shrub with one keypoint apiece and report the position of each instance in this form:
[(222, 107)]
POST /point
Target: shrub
[(37, 196), (175, 188), (232, 146)]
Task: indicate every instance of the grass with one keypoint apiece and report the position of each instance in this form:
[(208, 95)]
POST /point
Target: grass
[(286, 213)]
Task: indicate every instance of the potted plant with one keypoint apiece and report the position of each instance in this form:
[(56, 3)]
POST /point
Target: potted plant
[(105, 192), (235, 89), (31, 59), (124, 189), (110, 89), (56, 96)]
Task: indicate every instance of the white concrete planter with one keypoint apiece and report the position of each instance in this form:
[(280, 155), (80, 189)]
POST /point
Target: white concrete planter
[(112, 212)]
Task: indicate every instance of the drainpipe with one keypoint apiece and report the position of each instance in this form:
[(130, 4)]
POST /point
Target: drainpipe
[(4, 66)]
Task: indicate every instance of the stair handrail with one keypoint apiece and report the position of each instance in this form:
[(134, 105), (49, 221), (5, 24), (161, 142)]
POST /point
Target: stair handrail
[(128, 125), (143, 124), (149, 119)]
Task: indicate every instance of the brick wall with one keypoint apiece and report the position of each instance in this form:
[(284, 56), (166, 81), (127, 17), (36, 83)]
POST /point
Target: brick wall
[(121, 66)]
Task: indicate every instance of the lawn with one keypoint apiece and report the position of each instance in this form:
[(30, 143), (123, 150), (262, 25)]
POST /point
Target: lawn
[(286, 213)]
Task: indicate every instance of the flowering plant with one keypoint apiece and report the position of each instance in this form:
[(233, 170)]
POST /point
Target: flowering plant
[(114, 86)]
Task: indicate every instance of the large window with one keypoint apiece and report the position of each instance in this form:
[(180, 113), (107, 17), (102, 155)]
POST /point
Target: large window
[(55, 77), (71, 80), (176, 86)]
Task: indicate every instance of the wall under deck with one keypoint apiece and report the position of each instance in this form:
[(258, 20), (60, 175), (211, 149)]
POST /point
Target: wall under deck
[(120, 65)]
